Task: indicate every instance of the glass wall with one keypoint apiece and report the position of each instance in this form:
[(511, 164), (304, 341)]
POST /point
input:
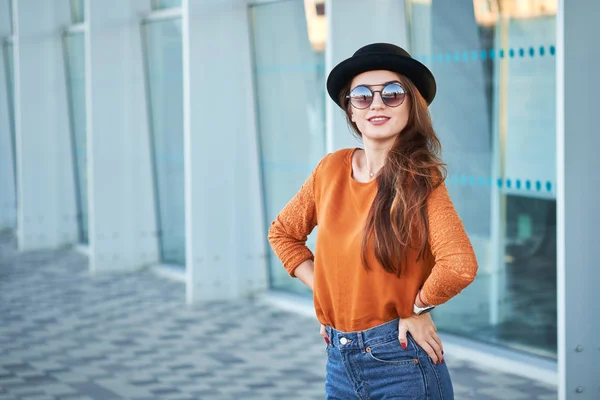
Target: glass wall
[(164, 69), (74, 44), (158, 4), (7, 52), (290, 95), (495, 115), (77, 11)]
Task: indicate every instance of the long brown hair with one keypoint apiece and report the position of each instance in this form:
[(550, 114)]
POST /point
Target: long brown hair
[(397, 219)]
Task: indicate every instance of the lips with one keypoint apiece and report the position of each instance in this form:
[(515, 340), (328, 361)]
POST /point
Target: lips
[(378, 119)]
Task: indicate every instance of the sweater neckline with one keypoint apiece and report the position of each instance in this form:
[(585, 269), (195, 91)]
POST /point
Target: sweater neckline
[(349, 162)]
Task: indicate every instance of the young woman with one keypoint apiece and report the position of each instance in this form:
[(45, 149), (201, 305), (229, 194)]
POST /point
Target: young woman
[(390, 245)]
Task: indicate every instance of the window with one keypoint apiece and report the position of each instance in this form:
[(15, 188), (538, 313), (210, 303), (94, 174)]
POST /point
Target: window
[(77, 11), (164, 69), (290, 95), (160, 4), (495, 116), (74, 44)]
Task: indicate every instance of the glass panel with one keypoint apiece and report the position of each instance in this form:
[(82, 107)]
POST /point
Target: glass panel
[(165, 88), (10, 90), (75, 67), (495, 115), (10, 16), (290, 78), (159, 4), (77, 15)]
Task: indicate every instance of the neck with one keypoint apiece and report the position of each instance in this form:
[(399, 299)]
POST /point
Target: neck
[(375, 156)]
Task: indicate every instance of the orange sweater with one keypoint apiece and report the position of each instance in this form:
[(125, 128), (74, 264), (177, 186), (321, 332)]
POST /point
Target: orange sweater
[(346, 296)]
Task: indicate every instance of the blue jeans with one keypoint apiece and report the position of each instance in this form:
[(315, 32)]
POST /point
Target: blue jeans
[(371, 365)]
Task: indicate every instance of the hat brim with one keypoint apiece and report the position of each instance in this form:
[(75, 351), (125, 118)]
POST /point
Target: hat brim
[(345, 71)]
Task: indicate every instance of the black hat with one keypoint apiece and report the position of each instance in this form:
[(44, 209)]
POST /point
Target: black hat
[(381, 56)]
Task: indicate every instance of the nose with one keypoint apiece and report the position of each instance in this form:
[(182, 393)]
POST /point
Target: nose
[(377, 103)]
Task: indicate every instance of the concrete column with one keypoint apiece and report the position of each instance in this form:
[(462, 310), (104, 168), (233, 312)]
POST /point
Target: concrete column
[(8, 209), (122, 219), (383, 21), (578, 191), (225, 232), (47, 211)]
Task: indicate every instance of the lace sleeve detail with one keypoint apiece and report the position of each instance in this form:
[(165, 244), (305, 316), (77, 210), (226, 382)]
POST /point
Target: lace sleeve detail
[(455, 263), (289, 231)]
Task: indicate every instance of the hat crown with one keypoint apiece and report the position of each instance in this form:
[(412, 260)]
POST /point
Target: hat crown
[(380, 56), (382, 48)]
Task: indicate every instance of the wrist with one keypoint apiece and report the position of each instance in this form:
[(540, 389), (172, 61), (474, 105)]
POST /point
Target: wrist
[(420, 301), (421, 307)]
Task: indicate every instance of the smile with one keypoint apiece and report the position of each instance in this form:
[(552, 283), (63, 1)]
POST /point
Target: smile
[(378, 120)]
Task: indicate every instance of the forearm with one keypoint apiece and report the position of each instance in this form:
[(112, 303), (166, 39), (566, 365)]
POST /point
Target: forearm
[(289, 231), (306, 272), (455, 262)]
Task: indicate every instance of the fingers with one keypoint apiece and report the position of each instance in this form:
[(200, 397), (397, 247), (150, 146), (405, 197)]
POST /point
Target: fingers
[(424, 333), (323, 333), (432, 346), (439, 345), (402, 330), (430, 351), (436, 343), (436, 348)]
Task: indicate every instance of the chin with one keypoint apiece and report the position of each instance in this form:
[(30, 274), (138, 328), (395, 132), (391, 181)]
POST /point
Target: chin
[(379, 136)]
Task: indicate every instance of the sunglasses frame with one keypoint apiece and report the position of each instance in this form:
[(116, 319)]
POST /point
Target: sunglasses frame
[(386, 84)]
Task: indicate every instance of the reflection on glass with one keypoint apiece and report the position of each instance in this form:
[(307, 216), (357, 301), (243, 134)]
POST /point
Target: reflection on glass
[(494, 112), (75, 68), (164, 69), (10, 16), (292, 126), (316, 23), (160, 4), (77, 15), (10, 90)]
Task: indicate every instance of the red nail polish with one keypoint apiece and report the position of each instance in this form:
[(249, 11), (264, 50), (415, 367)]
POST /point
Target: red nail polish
[(442, 360), (442, 352), (326, 340), (403, 346)]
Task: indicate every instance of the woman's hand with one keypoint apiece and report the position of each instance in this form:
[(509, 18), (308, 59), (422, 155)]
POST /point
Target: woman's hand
[(323, 333), (423, 330)]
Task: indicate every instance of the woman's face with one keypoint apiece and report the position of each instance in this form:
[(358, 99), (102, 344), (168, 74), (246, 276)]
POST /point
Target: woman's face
[(379, 122)]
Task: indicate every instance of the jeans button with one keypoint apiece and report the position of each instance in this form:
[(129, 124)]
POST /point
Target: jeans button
[(343, 340)]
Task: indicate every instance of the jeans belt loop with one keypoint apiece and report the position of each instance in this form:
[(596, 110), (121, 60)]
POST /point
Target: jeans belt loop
[(361, 343)]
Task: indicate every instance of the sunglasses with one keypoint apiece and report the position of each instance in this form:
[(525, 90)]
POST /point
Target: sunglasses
[(392, 95)]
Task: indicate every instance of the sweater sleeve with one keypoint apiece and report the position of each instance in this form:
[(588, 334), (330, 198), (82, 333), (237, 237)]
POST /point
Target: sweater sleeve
[(455, 263), (289, 231)]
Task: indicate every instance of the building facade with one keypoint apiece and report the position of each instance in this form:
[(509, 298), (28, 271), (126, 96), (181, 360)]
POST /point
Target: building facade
[(120, 133)]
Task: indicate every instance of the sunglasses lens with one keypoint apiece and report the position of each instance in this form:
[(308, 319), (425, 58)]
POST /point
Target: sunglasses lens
[(361, 97), (393, 95)]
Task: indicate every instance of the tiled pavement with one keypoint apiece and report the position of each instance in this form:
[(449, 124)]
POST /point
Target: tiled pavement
[(67, 335)]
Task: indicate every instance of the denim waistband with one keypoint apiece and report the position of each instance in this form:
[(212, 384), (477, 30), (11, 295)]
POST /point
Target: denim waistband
[(362, 339)]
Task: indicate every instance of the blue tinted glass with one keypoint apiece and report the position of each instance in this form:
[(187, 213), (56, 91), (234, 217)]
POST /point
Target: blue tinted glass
[(10, 16), (75, 59), (10, 89), (165, 88), (77, 10), (495, 117), (293, 138), (159, 4)]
